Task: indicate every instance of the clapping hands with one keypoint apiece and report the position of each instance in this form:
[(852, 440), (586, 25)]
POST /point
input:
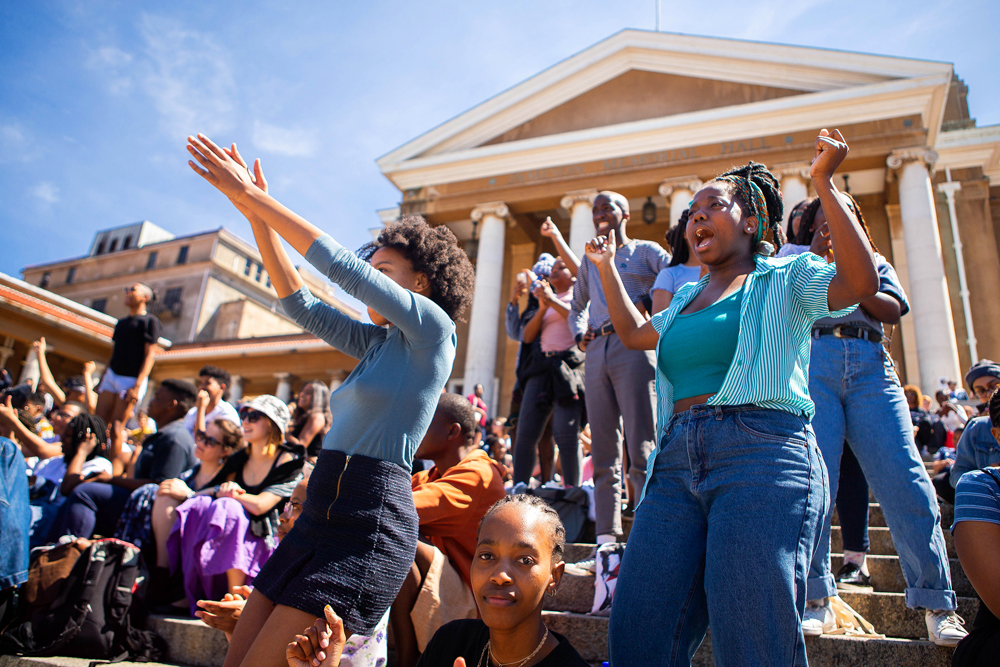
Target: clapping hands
[(601, 250)]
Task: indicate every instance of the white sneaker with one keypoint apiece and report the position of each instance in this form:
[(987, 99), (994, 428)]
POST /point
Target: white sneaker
[(582, 568), (819, 618), (944, 627)]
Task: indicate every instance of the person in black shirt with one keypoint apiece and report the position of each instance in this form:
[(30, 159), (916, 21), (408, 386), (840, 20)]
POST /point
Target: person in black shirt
[(518, 562), (94, 507), (132, 357)]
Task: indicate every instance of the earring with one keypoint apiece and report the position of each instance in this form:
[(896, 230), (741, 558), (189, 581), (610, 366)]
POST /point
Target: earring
[(552, 592)]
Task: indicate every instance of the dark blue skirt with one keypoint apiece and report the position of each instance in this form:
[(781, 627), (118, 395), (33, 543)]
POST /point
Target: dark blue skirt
[(351, 547)]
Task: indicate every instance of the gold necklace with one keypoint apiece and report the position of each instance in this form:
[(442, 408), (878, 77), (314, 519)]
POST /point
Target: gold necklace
[(519, 663)]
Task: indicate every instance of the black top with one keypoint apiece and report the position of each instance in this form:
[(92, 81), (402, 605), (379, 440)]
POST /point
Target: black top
[(313, 447), (166, 454), (280, 480), (467, 639), (131, 335)]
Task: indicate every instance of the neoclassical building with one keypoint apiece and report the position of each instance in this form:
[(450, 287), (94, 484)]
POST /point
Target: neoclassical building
[(654, 115)]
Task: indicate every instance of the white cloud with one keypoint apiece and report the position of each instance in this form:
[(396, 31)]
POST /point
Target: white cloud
[(188, 76), (46, 192), (283, 141), (114, 64)]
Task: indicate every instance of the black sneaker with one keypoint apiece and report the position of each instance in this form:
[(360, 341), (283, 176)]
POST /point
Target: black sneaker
[(851, 578)]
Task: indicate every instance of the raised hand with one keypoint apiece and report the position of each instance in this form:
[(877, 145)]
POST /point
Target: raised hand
[(320, 644), (544, 293), (601, 250), (821, 240), (39, 345), (202, 399), (831, 149), (218, 167), (549, 229)]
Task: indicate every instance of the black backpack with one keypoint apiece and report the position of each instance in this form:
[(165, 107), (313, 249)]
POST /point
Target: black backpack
[(95, 613)]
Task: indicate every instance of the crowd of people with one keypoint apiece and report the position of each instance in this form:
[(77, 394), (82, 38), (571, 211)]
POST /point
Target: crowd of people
[(741, 371)]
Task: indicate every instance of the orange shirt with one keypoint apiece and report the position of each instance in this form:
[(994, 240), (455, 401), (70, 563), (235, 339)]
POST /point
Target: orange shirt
[(450, 505)]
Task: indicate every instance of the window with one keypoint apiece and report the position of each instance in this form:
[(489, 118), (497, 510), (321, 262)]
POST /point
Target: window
[(114, 245), (151, 261), (172, 299), (100, 305), (128, 243), (46, 277), (70, 275), (100, 248), (249, 265), (182, 255), (268, 283), (260, 272)]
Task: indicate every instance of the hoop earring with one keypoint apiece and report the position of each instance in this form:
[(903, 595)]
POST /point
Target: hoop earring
[(552, 592)]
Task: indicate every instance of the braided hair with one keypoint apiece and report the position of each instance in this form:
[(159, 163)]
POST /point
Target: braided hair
[(549, 514), (677, 241), (806, 232), (759, 192), (79, 429)]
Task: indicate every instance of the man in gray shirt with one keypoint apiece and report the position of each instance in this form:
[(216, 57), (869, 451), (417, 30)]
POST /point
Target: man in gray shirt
[(620, 382)]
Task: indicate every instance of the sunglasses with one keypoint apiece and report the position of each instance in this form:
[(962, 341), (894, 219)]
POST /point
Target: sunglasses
[(207, 439), (251, 416)]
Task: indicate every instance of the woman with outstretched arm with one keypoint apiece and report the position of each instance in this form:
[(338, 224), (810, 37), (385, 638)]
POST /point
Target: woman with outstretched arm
[(736, 470), (356, 538)]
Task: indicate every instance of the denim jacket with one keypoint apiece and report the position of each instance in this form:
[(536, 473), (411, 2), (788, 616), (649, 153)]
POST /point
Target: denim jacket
[(977, 449)]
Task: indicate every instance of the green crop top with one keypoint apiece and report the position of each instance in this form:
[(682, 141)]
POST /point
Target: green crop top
[(698, 348)]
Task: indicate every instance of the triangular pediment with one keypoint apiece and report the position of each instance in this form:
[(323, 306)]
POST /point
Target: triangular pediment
[(638, 95)]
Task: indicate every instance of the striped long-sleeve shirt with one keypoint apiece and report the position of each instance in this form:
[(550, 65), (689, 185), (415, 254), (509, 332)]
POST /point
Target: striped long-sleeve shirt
[(638, 263), (977, 497)]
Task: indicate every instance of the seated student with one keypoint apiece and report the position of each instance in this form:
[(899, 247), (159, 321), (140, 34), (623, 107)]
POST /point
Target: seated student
[(450, 499), (94, 507), (221, 540), (149, 513), (84, 445), (311, 418), (19, 426), (212, 401), (518, 562), (977, 541), (498, 452), (977, 448)]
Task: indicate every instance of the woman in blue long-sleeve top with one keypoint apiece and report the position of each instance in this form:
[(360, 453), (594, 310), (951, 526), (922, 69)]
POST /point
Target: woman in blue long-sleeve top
[(356, 538)]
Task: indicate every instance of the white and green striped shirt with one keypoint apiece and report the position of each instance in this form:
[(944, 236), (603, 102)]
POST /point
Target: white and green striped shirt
[(781, 300)]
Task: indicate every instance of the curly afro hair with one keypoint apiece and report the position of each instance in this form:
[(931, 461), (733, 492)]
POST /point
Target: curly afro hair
[(435, 252)]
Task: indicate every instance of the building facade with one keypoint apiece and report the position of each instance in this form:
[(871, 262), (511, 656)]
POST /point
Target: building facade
[(655, 115), (210, 286)]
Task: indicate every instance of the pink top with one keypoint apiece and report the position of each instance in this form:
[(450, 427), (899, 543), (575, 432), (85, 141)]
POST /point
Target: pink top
[(556, 335)]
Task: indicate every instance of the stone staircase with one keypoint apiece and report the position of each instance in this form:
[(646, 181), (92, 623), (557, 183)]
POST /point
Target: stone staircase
[(905, 644), (193, 643)]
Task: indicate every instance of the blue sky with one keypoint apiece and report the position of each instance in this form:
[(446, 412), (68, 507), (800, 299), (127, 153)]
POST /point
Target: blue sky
[(96, 97)]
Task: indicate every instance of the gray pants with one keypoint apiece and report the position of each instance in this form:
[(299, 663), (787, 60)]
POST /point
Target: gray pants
[(621, 390), (531, 425)]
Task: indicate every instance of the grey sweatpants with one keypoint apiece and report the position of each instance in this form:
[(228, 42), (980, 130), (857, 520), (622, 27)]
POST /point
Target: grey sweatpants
[(621, 390)]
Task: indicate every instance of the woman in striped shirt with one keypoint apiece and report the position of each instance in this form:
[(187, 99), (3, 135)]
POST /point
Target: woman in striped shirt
[(736, 488)]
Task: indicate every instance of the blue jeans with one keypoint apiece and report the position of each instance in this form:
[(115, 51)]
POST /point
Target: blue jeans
[(852, 503), (15, 516), (858, 399), (723, 538), (91, 508)]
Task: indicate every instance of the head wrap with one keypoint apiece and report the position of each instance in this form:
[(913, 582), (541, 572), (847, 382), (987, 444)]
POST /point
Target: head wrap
[(543, 267), (982, 368), (751, 193)]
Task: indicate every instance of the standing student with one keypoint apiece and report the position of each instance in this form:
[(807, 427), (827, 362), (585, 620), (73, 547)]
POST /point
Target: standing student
[(858, 398), (357, 535), (619, 381), (737, 470), (132, 356), (683, 268)]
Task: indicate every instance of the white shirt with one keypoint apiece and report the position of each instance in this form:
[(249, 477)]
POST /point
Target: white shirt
[(54, 469), (223, 410)]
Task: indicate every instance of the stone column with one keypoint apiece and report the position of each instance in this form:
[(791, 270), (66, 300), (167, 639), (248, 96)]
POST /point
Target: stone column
[(235, 389), (6, 350), (284, 390), (484, 322), (580, 204), (899, 262), (937, 346), (678, 192), (794, 186)]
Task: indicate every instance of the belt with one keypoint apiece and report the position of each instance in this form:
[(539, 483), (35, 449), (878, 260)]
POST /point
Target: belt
[(604, 331), (848, 331), (553, 353)]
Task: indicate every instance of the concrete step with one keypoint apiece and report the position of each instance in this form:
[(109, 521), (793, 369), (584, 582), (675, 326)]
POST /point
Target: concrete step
[(887, 576), (891, 617), (191, 641), (588, 634), (18, 661), (877, 519), (880, 542)]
